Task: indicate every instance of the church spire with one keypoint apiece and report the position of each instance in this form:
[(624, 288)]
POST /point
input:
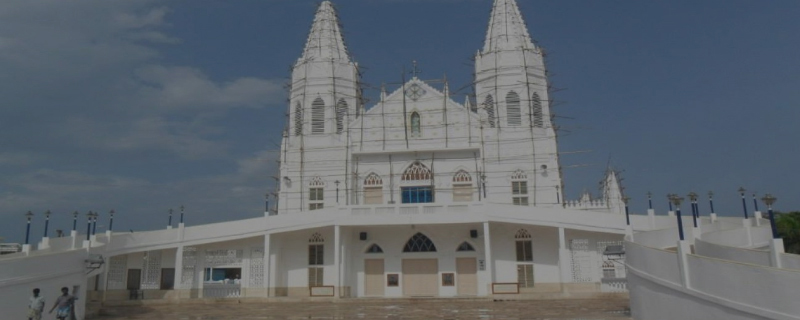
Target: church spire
[(325, 39), (507, 30)]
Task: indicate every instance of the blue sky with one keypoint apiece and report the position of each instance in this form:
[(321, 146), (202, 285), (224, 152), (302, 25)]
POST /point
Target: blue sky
[(141, 106)]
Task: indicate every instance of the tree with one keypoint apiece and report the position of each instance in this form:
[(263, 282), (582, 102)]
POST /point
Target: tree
[(789, 229)]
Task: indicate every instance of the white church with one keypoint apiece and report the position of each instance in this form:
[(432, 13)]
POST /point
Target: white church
[(419, 195)]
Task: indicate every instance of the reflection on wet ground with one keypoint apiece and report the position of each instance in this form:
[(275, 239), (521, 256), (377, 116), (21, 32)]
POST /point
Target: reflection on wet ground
[(586, 309)]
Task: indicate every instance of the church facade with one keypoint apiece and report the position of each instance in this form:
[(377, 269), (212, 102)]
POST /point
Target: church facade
[(417, 195)]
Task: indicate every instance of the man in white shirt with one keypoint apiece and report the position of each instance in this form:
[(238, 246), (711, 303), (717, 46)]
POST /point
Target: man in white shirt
[(36, 306)]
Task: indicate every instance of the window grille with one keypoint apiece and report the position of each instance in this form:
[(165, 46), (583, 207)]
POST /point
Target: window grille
[(417, 172), (419, 243), (316, 238), (465, 246), (513, 110), (488, 105), (298, 119), (519, 175), (462, 176), (341, 111), (373, 180), (374, 248), (538, 115), (522, 234), (316, 182), (318, 116)]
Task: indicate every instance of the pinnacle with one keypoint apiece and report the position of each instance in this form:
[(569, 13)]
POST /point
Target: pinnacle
[(325, 40), (507, 29)]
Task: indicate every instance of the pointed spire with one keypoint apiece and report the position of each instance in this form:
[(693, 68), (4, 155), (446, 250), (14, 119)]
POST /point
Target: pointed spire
[(325, 39), (507, 29)]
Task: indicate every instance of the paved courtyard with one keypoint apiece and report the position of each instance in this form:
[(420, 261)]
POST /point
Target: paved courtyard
[(589, 309)]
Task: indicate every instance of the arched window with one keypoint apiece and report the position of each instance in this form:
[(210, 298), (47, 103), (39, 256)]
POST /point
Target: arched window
[(422, 192), (512, 109), (316, 193), (465, 246), (373, 189), (318, 116), (374, 248), (462, 186), (519, 188), (341, 111), (538, 116), (298, 119), (524, 251), (416, 127), (488, 105), (419, 243)]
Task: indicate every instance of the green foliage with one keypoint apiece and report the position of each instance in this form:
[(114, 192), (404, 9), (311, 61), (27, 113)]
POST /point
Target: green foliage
[(789, 229)]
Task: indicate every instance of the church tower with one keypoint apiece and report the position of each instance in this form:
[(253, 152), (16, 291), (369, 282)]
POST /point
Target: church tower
[(324, 99), (511, 92)]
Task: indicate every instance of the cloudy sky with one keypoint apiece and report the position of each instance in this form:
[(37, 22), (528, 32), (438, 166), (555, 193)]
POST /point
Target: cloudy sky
[(141, 106)]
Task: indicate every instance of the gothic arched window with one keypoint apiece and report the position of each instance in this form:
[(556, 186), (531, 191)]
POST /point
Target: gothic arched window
[(373, 189), (318, 116), (341, 111), (298, 119), (519, 188), (462, 186), (316, 193), (419, 243), (538, 116), (512, 109), (488, 105), (416, 172), (416, 126)]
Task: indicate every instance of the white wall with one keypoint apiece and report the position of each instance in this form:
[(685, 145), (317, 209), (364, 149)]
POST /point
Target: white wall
[(48, 272)]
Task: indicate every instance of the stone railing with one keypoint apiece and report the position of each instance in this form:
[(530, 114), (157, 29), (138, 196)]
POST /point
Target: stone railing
[(409, 209)]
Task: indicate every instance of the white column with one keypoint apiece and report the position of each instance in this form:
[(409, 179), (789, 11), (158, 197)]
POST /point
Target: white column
[(758, 216), (487, 244), (684, 250), (564, 262), (776, 249), (74, 235), (179, 271), (200, 269), (651, 217), (747, 227), (267, 266), (337, 260)]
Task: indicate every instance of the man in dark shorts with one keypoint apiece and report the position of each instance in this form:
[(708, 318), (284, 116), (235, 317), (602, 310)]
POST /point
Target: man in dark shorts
[(64, 302)]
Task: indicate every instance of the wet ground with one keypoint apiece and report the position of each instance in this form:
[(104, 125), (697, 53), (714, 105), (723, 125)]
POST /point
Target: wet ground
[(588, 309)]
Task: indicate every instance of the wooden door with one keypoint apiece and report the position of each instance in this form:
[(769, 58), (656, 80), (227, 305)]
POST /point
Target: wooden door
[(467, 276), (420, 277), (373, 278)]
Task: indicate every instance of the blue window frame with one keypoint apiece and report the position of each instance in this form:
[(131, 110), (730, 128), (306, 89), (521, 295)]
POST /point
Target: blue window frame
[(417, 194)]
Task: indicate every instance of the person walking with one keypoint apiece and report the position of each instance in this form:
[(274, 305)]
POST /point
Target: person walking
[(36, 306), (64, 302)]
